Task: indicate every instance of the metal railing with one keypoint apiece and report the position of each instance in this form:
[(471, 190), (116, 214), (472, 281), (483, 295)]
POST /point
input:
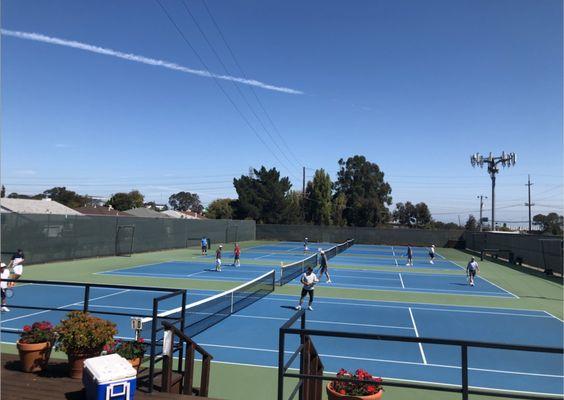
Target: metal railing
[(464, 389), (185, 365)]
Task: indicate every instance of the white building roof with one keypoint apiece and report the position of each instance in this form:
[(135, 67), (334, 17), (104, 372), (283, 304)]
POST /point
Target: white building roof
[(25, 206)]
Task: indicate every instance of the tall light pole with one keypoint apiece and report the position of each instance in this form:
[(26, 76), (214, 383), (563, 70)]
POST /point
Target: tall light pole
[(529, 204), (506, 160), (481, 197)]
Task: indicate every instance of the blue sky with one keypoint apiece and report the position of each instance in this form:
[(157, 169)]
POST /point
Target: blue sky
[(415, 86)]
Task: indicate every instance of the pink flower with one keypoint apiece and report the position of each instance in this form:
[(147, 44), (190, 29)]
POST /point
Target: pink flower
[(27, 328)]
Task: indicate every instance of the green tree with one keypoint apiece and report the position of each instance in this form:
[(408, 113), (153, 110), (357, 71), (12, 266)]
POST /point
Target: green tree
[(405, 213), (66, 197), (220, 209), (337, 209), (124, 201), (186, 201), (293, 210), (15, 195), (550, 223), (442, 225), (471, 223), (318, 199), (262, 196), (367, 194)]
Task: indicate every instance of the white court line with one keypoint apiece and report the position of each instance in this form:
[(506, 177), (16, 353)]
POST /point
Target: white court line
[(401, 280), (396, 260), (417, 335), (386, 361), (553, 316), (491, 283), (195, 273), (65, 306), (394, 252)]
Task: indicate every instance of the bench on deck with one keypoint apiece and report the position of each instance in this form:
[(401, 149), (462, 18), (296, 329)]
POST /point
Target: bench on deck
[(495, 253)]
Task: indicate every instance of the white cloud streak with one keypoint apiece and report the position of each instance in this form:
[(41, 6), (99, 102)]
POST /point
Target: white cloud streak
[(37, 37)]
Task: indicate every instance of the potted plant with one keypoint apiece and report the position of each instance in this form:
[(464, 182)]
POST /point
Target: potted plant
[(34, 346), (132, 350), (366, 388), (83, 336)]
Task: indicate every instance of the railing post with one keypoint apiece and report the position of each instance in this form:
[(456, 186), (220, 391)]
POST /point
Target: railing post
[(281, 364), (182, 326), (189, 370), (168, 363), (86, 297), (205, 378), (154, 323), (302, 355), (464, 361)]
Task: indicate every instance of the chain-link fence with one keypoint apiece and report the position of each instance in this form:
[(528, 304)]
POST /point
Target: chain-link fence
[(544, 252), (46, 237)]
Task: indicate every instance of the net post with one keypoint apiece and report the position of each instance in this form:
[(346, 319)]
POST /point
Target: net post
[(464, 362), (232, 298)]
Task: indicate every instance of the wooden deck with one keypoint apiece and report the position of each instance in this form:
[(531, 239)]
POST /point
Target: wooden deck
[(54, 384)]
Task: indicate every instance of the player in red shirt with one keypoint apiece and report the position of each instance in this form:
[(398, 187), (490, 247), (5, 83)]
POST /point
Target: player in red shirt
[(237, 255)]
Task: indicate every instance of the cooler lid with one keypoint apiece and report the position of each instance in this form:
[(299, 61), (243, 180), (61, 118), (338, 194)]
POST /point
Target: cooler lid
[(109, 368)]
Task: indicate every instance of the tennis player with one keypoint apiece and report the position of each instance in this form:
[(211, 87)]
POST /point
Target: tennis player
[(218, 258), (306, 248), (204, 246), (16, 265), (237, 255), (324, 267), (409, 256), (308, 281), (4, 274), (432, 254), (471, 270)]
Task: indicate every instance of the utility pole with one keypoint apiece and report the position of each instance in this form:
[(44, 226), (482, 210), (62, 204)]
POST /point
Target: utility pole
[(529, 204), (506, 160), (303, 191), (481, 197)]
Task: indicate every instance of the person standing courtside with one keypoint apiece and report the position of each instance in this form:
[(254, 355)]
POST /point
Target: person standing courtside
[(218, 258), (4, 274), (409, 256), (204, 246), (16, 264), (324, 266), (432, 254)]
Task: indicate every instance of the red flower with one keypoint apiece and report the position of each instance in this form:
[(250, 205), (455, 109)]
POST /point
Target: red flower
[(27, 328), (141, 340), (371, 389), (342, 391)]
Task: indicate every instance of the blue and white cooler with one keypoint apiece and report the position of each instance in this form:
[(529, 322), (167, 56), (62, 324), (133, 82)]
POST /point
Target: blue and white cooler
[(109, 377)]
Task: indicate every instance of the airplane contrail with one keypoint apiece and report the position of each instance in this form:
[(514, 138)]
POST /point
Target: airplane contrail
[(37, 37)]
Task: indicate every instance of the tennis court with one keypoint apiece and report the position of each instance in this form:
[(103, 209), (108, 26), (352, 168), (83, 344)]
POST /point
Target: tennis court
[(234, 339)]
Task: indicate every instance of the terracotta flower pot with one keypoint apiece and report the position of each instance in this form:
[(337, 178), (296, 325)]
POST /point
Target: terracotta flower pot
[(333, 395), (135, 363), (34, 356), (76, 363)]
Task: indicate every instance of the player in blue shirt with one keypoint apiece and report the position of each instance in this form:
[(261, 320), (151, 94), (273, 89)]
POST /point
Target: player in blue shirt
[(204, 246)]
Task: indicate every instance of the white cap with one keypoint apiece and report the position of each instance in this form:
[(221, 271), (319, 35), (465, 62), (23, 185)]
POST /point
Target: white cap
[(2, 265), (432, 245), (321, 251), (220, 246)]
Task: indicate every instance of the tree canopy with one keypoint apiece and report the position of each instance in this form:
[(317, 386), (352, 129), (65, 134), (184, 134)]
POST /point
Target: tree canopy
[(550, 223), (318, 205), (367, 194), (263, 196), (220, 209), (124, 201), (186, 201), (471, 223), (406, 213)]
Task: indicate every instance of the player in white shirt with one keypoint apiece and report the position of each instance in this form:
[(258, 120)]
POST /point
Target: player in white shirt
[(432, 254), (306, 248), (471, 270), (308, 281), (4, 274)]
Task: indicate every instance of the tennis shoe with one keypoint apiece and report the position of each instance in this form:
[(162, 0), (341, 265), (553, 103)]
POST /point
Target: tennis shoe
[(6, 309), (328, 280), (471, 283), (298, 308), (310, 308), (431, 262)]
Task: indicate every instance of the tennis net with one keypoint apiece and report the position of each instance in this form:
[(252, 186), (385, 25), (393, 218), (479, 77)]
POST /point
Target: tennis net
[(291, 271), (205, 313)]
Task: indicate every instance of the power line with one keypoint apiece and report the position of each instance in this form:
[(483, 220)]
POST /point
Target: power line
[(252, 89), (237, 109), (235, 84)]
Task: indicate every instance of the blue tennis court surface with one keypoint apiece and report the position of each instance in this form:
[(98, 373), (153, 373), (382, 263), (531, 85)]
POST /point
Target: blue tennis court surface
[(235, 342), (455, 284), (235, 339)]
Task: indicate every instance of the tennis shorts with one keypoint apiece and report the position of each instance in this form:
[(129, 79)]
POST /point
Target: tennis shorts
[(307, 292), (218, 262), (432, 255), (472, 272), (237, 256), (204, 248)]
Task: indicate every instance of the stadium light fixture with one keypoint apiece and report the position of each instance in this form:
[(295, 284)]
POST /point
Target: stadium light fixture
[(505, 160)]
